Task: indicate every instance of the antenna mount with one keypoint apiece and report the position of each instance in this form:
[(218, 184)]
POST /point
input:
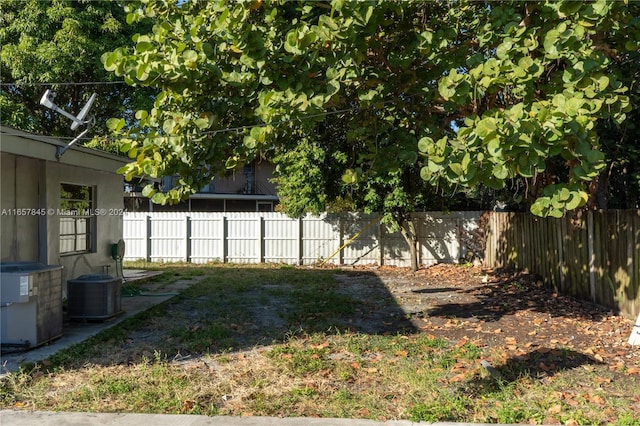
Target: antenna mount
[(77, 120)]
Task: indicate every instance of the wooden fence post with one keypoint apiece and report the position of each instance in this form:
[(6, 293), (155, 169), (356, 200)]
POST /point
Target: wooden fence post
[(558, 242), (592, 256)]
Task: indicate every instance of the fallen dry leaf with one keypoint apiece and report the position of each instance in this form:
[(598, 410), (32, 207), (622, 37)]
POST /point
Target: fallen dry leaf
[(633, 370), (556, 409), (458, 378), (187, 406), (596, 399), (364, 412)]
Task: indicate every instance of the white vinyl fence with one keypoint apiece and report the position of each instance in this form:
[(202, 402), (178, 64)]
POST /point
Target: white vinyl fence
[(202, 237)]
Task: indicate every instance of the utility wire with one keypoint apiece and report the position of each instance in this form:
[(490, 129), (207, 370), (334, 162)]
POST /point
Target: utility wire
[(84, 83), (251, 126), (230, 129), (290, 120), (87, 138)]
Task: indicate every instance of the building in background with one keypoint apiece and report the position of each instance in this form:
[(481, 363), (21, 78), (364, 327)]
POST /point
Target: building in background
[(248, 190)]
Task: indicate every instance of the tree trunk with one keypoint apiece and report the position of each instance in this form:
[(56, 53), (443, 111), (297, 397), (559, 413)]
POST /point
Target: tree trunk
[(408, 231), (598, 190)]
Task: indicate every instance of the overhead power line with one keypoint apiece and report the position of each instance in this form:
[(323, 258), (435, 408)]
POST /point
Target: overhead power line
[(213, 132), (67, 83), (210, 132), (290, 120)]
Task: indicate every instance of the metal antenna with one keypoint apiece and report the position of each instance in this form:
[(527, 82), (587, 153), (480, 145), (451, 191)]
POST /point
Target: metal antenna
[(77, 120)]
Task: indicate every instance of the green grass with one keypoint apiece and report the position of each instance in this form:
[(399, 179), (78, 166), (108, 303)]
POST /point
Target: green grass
[(306, 362), (299, 360)]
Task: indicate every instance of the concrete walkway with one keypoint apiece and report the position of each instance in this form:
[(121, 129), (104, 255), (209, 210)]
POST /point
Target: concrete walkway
[(77, 331), (43, 418)]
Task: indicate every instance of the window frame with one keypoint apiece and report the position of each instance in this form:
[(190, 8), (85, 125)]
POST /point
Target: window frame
[(260, 204), (82, 217)]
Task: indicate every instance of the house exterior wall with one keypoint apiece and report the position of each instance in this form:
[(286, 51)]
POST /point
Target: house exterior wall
[(19, 190), (30, 201), (108, 223)]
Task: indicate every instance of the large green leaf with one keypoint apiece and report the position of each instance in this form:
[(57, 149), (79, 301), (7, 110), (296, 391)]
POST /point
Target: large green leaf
[(425, 144), (486, 126)]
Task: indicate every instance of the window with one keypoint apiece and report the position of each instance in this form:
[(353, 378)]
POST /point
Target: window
[(77, 219), (263, 206)]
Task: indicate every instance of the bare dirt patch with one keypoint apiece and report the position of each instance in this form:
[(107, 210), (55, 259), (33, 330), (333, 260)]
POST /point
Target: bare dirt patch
[(504, 309)]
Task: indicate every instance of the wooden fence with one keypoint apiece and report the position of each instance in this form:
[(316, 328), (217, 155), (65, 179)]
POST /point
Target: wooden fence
[(590, 255)]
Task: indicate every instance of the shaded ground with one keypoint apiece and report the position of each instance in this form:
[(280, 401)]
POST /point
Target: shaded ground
[(512, 313), (500, 307), (509, 314)]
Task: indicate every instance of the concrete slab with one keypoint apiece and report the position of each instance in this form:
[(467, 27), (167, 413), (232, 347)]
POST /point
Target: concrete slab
[(131, 275)]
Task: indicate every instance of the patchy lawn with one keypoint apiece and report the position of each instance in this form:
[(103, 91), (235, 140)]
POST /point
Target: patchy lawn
[(448, 343)]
